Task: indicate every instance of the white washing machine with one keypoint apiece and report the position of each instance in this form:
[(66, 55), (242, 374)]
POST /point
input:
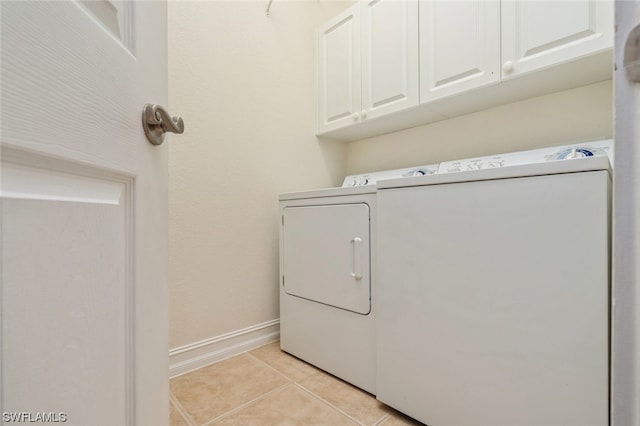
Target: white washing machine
[(327, 278), (494, 288)]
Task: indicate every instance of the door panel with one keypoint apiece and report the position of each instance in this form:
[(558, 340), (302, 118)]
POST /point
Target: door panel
[(67, 290), (326, 255), (389, 56), (339, 71), (459, 46), (116, 16), (539, 34), (558, 29)]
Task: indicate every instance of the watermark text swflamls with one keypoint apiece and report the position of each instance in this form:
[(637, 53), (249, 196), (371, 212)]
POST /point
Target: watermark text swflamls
[(40, 417)]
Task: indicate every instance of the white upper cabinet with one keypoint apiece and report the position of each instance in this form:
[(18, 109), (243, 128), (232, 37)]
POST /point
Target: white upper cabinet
[(459, 46), (540, 34), (386, 65), (367, 63), (389, 56), (339, 75)]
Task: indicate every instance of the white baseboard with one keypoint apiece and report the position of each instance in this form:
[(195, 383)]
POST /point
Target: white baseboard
[(199, 354)]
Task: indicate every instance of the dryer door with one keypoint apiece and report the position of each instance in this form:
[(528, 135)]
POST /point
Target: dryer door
[(326, 252)]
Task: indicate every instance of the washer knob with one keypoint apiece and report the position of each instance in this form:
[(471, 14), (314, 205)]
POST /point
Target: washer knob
[(576, 153)]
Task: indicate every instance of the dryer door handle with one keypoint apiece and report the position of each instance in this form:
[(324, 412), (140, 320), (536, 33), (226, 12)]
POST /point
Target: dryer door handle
[(356, 246)]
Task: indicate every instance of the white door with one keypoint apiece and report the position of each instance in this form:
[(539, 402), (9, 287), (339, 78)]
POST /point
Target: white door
[(84, 214), (625, 353), (339, 91), (459, 46), (538, 34), (389, 56)]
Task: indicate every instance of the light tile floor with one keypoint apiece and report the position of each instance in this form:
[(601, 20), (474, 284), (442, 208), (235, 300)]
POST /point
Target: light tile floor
[(269, 387)]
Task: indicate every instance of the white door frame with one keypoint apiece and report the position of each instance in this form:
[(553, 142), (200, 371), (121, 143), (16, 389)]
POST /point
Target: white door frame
[(625, 369)]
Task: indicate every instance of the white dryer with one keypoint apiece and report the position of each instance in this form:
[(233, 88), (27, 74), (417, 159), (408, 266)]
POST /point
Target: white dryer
[(494, 285), (327, 276)]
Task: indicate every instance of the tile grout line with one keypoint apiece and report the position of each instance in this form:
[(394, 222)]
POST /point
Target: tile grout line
[(289, 381), (330, 405), (255, 358), (270, 366), (244, 405), (181, 410), (318, 397), (307, 391), (191, 422), (383, 419)]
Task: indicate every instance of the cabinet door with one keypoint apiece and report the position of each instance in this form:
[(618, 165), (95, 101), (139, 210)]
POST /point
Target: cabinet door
[(459, 46), (389, 56), (338, 47), (539, 34), (325, 255)]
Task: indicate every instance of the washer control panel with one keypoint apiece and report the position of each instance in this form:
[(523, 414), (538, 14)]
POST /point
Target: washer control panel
[(566, 152), (369, 179), (557, 153)]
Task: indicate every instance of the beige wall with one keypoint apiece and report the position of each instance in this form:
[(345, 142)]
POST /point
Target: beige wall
[(576, 115), (244, 84)]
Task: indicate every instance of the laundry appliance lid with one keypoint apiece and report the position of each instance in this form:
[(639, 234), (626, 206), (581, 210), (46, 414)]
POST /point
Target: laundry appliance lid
[(536, 169)]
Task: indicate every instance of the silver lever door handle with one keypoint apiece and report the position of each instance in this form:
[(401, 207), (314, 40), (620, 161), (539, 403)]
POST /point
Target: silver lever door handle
[(156, 121)]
